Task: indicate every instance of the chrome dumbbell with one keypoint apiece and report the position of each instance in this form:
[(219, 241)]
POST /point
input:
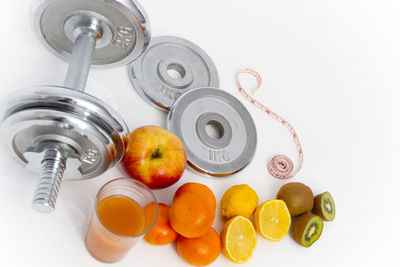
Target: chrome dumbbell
[(60, 130)]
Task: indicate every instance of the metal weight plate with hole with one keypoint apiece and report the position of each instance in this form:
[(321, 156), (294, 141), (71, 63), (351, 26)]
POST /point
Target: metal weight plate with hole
[(91, 134), (170, 67), (218, 132), (124, 24)]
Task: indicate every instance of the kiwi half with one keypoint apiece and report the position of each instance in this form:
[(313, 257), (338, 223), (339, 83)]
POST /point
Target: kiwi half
[(324, 206), (307, 229), (298, 197)]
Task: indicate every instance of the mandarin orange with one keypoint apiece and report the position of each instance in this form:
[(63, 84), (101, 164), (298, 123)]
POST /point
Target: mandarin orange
[(162, 232), (191, 215), (200, 251), (197, 188)]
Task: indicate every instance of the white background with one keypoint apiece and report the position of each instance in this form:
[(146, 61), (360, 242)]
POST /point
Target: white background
[(330, 67)]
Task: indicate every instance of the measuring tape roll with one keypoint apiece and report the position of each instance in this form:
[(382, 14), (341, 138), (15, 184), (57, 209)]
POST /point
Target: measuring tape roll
[(280, 166)]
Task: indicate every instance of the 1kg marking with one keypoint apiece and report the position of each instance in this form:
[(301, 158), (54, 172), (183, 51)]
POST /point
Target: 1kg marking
[(218, 156), (90, 156), (169, 92)]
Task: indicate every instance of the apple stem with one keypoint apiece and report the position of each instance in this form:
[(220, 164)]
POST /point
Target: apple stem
[(156, 154)]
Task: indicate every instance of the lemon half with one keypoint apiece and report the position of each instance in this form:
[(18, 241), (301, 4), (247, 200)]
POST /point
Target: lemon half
[(272, 219), (239, 239)]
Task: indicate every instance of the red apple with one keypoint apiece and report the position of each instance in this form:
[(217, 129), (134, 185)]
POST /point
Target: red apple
[(155, 157)]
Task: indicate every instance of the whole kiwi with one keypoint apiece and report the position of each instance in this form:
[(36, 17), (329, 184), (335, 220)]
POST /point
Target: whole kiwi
[(298, 197)]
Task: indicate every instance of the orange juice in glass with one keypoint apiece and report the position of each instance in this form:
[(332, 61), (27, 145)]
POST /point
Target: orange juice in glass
[(118, 220)]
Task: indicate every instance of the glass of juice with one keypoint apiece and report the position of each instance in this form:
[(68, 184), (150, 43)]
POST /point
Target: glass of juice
[(118, 221)]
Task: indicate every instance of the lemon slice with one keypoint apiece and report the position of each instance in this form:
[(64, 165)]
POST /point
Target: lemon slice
[(239, 239), (272, 219)]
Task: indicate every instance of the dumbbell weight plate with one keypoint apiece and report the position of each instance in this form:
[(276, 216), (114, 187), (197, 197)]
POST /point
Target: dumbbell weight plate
[(150, 72), (233, 146), (126, 30), (94, 133)]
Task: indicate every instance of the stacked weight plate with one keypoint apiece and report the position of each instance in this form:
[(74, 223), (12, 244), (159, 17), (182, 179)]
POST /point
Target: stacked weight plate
[(170, 67), (218, 132)]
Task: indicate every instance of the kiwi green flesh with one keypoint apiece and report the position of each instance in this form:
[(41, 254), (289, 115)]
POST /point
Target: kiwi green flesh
[(311, 234), (324, 206), (307, 229)]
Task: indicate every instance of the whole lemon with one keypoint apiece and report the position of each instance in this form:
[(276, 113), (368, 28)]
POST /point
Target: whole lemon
[(238, 200)]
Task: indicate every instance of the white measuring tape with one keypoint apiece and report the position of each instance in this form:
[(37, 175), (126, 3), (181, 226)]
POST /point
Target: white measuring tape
[(280, 166)]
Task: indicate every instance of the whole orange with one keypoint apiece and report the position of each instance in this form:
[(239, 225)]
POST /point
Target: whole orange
[(191, 215), (200, 251), (162, 232), (197, 188)]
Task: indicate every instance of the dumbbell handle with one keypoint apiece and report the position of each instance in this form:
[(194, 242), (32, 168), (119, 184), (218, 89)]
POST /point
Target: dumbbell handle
[(81, 59), (54, 163)]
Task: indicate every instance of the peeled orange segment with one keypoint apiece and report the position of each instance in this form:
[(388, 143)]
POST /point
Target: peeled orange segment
[(272, 219), (239, 239)]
